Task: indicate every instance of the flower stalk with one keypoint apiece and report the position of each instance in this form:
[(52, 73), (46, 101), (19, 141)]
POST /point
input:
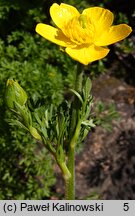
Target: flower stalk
[(74, 133)]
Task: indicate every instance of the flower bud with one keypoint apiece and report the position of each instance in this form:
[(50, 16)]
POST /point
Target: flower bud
[(14, 94), (34, 133)]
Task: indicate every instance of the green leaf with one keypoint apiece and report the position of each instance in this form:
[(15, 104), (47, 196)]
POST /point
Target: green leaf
[(17, 122), (77, 94), (88, 123), (87, 89)]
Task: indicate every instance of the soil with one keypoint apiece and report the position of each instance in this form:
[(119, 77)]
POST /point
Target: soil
[(105, 168), (107, 164)]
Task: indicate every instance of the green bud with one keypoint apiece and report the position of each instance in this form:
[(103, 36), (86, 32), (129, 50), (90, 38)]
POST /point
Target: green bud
[(14, 94), (33, 131)]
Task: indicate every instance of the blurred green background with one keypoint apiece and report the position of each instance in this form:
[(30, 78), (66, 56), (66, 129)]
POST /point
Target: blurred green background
[(45, 72)]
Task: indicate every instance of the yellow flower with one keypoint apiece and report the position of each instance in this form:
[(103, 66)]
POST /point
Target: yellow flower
[(84, 36)]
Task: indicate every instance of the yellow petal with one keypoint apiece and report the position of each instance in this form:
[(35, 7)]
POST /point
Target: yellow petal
[(100, 18), (52, 34), (62, 13), (116, 33), (87, 54)]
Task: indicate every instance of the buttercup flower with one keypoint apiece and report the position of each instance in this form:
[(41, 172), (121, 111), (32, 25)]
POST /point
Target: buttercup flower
[(84, 36)]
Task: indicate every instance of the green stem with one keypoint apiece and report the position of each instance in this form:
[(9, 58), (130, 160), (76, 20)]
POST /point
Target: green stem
[(70, 183), (65, 172), (73, 135), (76, 103)]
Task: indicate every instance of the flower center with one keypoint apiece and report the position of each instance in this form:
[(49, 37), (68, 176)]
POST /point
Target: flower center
[(79, 30), (83, 21)]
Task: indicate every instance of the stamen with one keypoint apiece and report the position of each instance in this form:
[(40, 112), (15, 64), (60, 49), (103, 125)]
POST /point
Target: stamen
[(79, 30)]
